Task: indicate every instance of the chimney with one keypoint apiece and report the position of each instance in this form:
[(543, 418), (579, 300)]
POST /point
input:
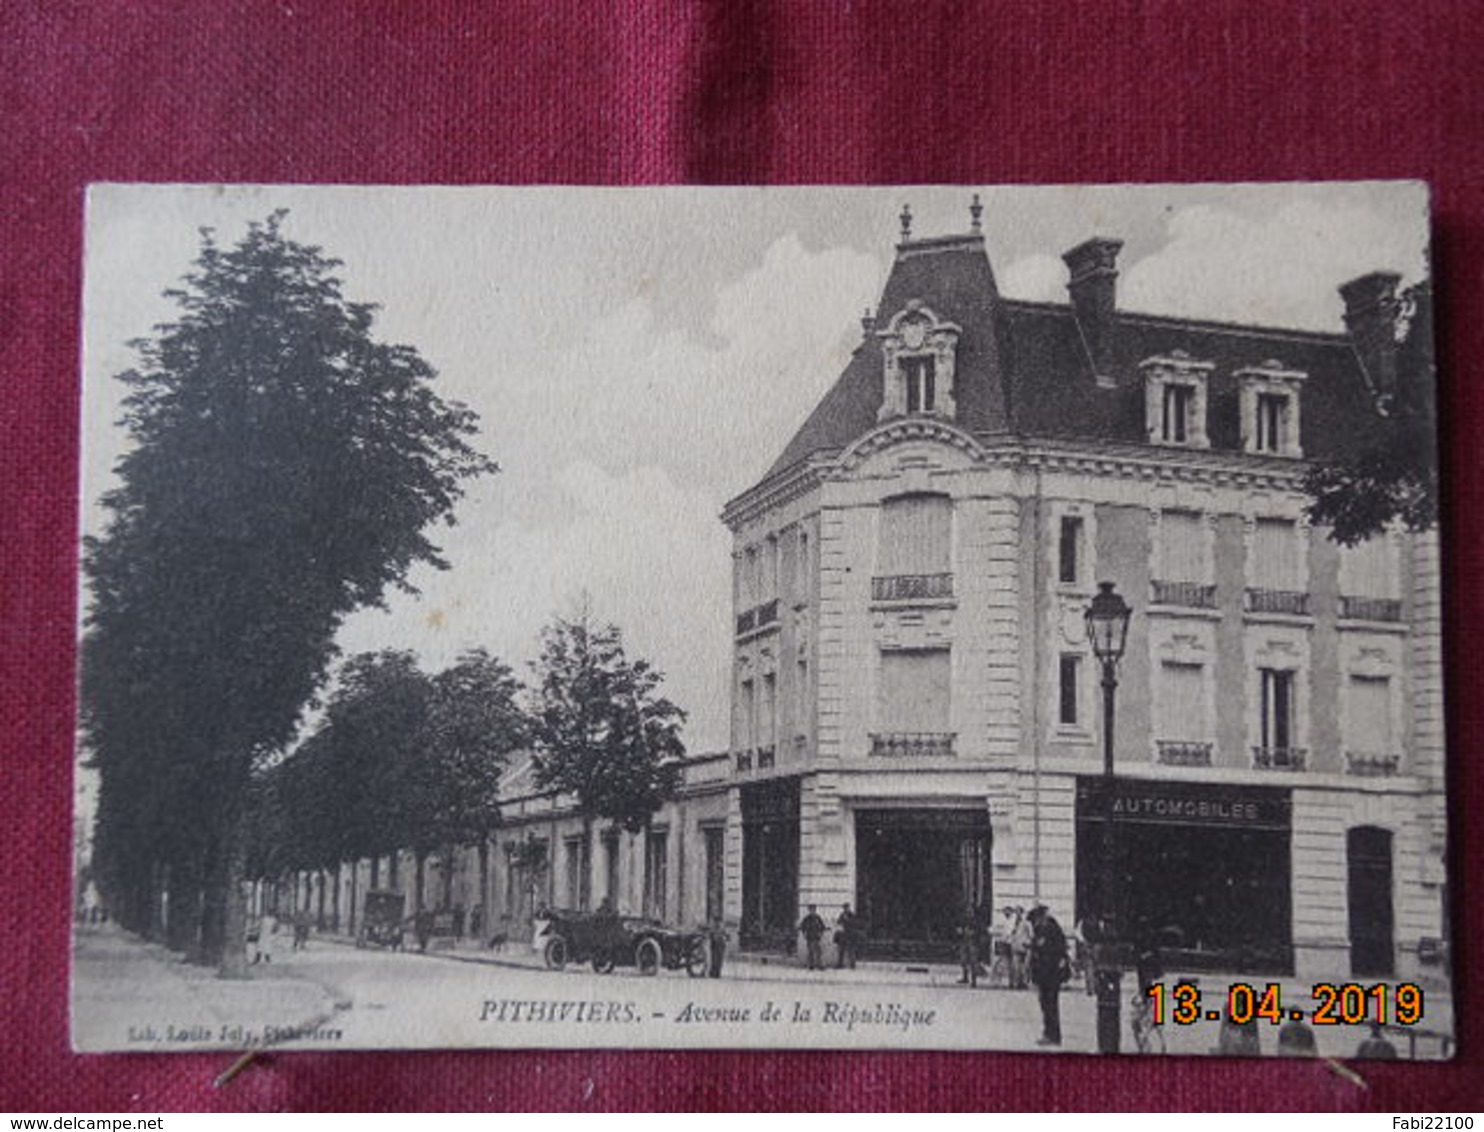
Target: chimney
[(1093, 273), (1371, 310)]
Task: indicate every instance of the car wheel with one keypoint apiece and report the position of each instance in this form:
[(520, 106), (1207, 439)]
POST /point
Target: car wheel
[(698, 962), (556, 953), (603, 963), (647, 956)]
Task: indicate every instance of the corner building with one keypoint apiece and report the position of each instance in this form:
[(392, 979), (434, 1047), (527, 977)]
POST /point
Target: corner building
[(916, 711)]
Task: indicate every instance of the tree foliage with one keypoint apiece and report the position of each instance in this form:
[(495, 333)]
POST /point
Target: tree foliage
[(401, 760), (603, 732), (1394, 479), (284, 469)]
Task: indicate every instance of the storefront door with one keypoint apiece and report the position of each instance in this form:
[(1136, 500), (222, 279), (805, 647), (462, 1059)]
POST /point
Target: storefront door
[(770, 864), (1202, 869), (919, 872)]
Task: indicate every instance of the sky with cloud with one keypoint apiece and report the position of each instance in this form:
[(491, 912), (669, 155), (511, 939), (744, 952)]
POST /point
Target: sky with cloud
[(639, 356)]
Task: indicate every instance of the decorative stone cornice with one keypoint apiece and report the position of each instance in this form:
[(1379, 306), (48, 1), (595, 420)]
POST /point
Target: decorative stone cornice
[(900, 430)]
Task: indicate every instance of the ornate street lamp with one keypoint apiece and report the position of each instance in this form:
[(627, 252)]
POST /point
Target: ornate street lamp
[(1107, 631)]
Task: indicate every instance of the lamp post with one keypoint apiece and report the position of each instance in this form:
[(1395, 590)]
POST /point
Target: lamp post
[(1107, 631)]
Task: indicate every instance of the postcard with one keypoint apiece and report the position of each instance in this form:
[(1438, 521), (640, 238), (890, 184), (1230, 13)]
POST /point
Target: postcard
[(927, 617)]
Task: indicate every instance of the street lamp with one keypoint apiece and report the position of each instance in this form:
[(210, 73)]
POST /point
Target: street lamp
[(1107, 631)]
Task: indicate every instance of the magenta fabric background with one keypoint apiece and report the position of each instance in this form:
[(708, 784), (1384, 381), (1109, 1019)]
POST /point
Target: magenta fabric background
[(716, 92)]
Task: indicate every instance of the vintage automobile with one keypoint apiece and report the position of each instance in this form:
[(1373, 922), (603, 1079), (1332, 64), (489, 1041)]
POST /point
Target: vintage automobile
[(607, 941), (382, 921)]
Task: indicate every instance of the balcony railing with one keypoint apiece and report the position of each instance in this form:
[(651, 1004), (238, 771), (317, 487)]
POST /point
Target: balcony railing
[(1280, 758), (1372, 765), (1371, 608), (765, 757), (1278, 601), (1180, 753), (911, 587), (1191, 595), (744, 760), (913, 744)]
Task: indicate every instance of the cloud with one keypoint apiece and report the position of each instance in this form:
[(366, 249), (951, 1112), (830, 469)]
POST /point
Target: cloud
[(649, 555), (1281, 269), (620, 440), (1037, 278)]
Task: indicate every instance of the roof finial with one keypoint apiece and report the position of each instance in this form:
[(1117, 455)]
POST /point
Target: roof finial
[(868, 322), (976, 212), (906, 219)]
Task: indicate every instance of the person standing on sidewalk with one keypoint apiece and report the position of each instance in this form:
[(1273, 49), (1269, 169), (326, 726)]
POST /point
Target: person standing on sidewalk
[(846, 938), (812, 929), (1049, 967)]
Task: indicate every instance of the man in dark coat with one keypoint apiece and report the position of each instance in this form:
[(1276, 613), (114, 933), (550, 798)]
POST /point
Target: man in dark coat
[(1049, 968), (812, 929)]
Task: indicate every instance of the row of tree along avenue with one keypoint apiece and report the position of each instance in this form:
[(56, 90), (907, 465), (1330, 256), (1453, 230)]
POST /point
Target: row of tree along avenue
[(284, 471), (404, 760)]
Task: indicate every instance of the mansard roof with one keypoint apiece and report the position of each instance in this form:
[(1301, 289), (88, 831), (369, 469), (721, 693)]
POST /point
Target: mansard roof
[(1023, 368)]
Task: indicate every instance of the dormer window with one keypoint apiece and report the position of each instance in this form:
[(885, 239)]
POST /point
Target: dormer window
[(1272, 422), (1175, 426), (1175, 399), (918, 350), (1270, 409), (918, 372)]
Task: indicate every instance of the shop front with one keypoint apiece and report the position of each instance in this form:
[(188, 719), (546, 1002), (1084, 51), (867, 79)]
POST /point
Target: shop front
[(919, 874), (1204, 868), (770, 864)]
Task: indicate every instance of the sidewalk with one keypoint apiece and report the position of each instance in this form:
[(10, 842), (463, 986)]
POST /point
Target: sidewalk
[(1017, 1012), (127, 993)]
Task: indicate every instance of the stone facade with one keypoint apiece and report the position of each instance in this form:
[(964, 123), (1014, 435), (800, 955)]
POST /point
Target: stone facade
[(1270, 677)]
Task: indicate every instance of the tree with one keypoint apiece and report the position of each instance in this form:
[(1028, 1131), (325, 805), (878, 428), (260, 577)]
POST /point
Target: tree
[(1394, 477), (474, 722), (401, 760), (602, 732), (284, 469)]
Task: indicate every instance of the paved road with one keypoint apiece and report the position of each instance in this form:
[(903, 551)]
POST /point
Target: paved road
[(332, 995)]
